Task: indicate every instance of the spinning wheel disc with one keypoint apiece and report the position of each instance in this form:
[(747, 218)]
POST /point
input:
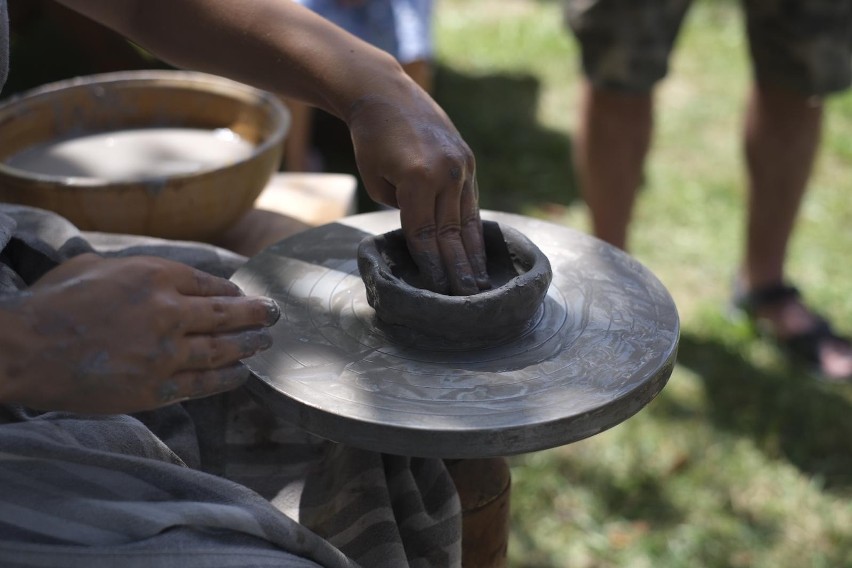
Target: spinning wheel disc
[(602, 346)]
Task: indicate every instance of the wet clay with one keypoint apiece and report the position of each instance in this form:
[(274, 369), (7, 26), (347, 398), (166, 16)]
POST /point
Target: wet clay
[(520, 276)]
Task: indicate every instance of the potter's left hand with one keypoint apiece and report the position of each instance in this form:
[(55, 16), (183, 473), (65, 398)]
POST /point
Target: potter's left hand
[(412, 157), (112, 336)]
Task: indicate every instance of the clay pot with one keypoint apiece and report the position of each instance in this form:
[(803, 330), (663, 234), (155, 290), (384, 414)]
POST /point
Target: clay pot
[(196, 206), (520, 274)]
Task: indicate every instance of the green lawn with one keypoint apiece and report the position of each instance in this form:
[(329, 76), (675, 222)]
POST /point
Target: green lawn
[(742, 460)]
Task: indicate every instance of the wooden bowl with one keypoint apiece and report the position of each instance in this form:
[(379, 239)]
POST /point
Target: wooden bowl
[(193, 206)]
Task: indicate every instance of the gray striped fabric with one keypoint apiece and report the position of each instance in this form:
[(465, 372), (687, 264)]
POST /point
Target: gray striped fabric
[(217, 482)]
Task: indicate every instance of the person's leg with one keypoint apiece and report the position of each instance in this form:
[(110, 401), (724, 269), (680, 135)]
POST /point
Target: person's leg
[(781, 139), (795, 65), (782, 132), (612, 141), (625, 47)]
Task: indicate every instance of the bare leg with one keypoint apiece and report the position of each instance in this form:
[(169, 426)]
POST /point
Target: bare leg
[(613, 139), (781, 139)]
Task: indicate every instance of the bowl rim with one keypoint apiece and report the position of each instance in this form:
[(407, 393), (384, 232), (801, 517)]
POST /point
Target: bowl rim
[(165, 77)]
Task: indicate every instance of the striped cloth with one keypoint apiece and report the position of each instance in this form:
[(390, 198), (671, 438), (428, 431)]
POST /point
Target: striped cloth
[(216, 482)]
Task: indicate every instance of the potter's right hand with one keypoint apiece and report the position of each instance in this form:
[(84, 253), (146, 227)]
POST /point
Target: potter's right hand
[(409, 153), (122, 335), (412, 157)]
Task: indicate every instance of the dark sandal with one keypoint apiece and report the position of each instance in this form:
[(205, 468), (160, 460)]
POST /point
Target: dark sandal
[(751, 302), (804, 346)]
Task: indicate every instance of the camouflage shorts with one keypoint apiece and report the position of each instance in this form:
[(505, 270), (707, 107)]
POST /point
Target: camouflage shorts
[(804, 45)]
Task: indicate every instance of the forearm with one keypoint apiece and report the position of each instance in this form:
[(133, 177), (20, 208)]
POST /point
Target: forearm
[(275, 45)]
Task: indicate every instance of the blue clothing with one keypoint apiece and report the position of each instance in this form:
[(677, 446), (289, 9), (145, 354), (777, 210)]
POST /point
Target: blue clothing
[(403, 28)]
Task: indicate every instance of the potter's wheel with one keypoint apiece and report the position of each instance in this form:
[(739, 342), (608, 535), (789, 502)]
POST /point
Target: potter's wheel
[(602, 346)]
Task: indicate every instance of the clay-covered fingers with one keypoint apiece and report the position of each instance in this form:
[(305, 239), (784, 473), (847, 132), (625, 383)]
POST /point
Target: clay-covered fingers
[(207, 315), (417, 215), (206, 352), (210, 364), (193, 282), (444, 233), (451, 246), (197, 384), (215, 305), (410, 154), (471, 232)]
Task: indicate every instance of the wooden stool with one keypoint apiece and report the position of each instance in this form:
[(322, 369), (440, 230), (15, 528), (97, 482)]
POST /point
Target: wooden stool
[(485, 487)]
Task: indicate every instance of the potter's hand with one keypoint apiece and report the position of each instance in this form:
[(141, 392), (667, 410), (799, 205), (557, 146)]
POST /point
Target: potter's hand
[(408, 151), (123, 335), (412, 157)]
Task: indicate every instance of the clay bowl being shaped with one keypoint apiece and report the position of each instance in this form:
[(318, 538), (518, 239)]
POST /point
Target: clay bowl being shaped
[(520, 275), (170, 154)]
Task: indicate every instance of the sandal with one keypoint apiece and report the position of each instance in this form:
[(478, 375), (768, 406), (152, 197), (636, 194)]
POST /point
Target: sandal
[(804, 346)]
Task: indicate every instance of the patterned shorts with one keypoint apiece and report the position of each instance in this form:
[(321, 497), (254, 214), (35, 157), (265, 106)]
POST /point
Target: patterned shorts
[(803, 45)]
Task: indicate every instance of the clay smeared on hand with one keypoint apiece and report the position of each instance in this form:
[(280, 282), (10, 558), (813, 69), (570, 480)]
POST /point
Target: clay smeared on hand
[(520, 276)]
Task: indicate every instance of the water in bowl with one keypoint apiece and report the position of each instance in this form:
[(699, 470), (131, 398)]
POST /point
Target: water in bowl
[(134, 155)]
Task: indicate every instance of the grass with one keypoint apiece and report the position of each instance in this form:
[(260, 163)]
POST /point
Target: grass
[(743, 460)]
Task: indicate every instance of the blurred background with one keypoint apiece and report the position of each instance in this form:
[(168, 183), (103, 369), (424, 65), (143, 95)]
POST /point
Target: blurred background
[(743, 460)]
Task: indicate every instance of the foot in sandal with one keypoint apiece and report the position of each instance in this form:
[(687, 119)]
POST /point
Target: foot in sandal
[(778, 312)]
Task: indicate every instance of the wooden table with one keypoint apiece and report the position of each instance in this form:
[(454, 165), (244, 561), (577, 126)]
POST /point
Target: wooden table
[(290, 203)]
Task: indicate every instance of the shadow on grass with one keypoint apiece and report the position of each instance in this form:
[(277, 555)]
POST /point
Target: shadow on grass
[(631, 512), (520, 163), (789, 416), (637, 503)]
